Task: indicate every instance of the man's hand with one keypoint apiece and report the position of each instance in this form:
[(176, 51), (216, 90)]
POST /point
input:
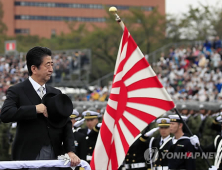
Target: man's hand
[(41, 108), (74, 159)]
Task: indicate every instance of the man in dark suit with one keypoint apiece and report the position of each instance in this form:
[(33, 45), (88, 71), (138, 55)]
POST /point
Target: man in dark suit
[(35, 139), (135, 157), (162, 143), (79, 138), (91, 132), (181, 144)]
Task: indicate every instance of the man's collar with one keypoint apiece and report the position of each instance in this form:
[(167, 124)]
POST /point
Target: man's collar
[(35, 85), (182, 137), (165, 138)]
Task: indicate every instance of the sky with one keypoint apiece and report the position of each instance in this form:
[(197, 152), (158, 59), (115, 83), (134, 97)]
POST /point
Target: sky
[(180, 6)]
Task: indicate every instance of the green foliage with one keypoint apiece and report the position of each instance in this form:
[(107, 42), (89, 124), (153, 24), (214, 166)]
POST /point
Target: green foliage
[(147, 30), (24, 43), (104, 44), (197, 24)]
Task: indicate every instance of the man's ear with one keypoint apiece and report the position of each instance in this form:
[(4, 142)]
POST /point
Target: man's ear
[(181, 125), (33, 68)]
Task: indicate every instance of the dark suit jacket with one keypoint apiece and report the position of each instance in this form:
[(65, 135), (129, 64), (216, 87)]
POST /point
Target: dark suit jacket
[(164, 150), (182, 147), (91, 139), (80, 144), (136, 152), (33, 130)]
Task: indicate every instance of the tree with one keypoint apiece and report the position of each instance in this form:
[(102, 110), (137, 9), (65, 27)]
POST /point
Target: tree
[(217, 21), (104, 44), (24, 43), (147, 30), (197, 24)]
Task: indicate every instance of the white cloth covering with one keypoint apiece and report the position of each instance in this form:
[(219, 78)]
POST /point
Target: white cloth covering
[(39, 164)]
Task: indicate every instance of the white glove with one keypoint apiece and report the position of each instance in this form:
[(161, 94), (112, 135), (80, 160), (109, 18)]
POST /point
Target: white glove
[(194, 140), (99, 125), (14, 125), (213, 168), (150, 133), (218, 119), (79, 123), (65, 157)]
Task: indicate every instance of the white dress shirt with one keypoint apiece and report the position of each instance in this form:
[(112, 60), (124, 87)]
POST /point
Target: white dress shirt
[(36, 86), (165, 139)]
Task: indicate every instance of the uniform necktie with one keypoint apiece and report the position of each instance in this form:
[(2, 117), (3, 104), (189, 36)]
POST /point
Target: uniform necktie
[(161, 142), (41, 90)]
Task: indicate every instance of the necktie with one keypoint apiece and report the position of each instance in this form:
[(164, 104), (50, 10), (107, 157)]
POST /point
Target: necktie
[(161, 142), (41, 90)]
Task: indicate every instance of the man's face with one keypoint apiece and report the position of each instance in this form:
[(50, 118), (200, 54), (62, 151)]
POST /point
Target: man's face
[(164, 131), (191, 112), (184, 111), (174, 127), (90, 123), (45, 70), (202, 111)]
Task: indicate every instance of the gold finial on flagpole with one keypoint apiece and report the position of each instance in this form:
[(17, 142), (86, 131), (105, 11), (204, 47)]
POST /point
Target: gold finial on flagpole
[(113, 10)]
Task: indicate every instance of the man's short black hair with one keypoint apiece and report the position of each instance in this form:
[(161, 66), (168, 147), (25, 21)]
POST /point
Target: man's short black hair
[(35, 56)]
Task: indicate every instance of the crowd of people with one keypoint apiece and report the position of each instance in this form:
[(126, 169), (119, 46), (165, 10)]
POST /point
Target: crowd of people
[(13, 69), (187, 72), (96, 93), (192, 72)]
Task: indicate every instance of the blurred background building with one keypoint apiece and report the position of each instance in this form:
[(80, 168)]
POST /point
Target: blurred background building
[(45, 18)]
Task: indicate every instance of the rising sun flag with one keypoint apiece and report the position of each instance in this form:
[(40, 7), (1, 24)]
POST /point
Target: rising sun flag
[(137, 98)]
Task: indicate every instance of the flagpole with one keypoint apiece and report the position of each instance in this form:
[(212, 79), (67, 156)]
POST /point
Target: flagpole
[(191, 134), (113, 10)]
